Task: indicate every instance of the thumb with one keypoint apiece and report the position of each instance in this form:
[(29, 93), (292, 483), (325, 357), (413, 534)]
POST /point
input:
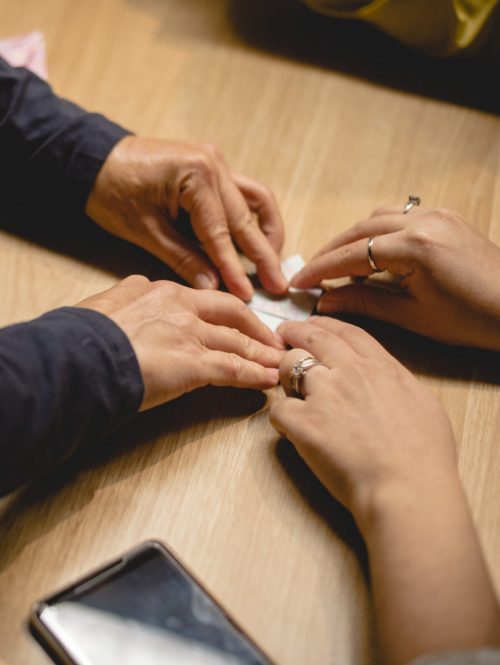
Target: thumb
[(373, 302)]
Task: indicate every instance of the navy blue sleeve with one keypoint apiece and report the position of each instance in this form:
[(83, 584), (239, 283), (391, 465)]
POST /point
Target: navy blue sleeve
[(50, 149), (66, 379)]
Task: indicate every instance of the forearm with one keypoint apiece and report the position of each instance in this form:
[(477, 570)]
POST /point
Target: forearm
[(50, 149), (66, 379), (431, 588)]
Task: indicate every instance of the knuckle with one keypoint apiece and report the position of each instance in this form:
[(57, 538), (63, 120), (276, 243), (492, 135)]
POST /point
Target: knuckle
[(221, 232), (235, 304), (166, 288), (344, 253), (347, 331), (447, 219), (239, 306), (202, 165), (380, 210), (246, 222), (313, 337), (421, 237), (135, 280), (247, 345), (214, 151), (267, 192), (216, 232), (182, 263), (189, 322), (358, 228), (234, 365), (444, 214)]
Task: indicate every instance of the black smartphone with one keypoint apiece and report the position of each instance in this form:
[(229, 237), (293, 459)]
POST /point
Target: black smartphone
[(143, 608)]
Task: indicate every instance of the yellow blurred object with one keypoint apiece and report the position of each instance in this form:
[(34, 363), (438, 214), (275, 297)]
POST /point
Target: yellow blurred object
[(438, 27)]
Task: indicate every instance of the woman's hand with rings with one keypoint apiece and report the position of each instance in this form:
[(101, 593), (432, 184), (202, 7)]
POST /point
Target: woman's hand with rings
[(450, 275), (382, 445), (366, 426)]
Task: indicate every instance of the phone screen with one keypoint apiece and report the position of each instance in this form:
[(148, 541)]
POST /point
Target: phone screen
[(149, 611)]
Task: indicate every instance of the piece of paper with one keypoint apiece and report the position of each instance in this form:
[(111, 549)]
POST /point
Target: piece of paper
[(297, 305), (26, 51)]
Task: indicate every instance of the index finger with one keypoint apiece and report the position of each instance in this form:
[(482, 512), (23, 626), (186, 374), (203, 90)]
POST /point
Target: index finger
[(261, 201), (388, 251), (201, 200), (249, 236), (385, 219), (373, 226), (225, 309)]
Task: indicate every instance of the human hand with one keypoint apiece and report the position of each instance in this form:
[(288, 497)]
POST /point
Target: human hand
[(383, 446), (144, 183), (450, 288), (367, 428), (185, 339)]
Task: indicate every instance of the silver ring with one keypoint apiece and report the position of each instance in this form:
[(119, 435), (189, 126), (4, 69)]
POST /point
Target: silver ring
[(299, 369), (412, 201), (371, 259)]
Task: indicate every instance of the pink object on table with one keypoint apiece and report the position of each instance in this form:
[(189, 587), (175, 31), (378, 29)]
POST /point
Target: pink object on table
[(26, 51)]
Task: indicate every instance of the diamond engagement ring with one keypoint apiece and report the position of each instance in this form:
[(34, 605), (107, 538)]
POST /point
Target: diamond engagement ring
[(412, 201), (299, 369)]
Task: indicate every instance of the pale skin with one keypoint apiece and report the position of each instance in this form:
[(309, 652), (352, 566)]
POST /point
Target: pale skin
[(450, 275), (144, 183), (185, 339), (391, 461)]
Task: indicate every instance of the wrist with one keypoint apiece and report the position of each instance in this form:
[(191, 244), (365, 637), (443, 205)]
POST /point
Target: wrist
[(404, 499), (103, 188), (425, 559)]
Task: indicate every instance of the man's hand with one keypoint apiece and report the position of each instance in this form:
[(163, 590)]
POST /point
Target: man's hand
[(144, 183), (450, 275), (185, 339)]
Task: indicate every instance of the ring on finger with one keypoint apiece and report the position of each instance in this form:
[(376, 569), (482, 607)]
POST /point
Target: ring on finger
[(299, 370), (371, 258), (412, 201)]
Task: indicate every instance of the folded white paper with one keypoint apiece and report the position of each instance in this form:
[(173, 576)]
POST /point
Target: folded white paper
[(297, 305)]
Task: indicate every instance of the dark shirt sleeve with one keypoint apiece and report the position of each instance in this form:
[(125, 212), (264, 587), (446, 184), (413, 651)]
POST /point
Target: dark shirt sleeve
[(66, 379), (50, 149)]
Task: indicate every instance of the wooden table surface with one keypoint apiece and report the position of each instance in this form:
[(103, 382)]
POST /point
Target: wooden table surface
[(207, 474)]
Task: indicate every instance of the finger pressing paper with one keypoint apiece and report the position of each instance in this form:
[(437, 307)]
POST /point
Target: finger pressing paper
[(296, 305)]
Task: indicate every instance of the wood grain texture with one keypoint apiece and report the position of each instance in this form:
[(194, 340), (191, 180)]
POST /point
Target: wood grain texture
[(207, 474)]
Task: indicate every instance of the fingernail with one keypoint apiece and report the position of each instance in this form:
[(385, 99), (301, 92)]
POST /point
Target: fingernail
[(280, 340), (204, 281), (248, 289), (283, 283)]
